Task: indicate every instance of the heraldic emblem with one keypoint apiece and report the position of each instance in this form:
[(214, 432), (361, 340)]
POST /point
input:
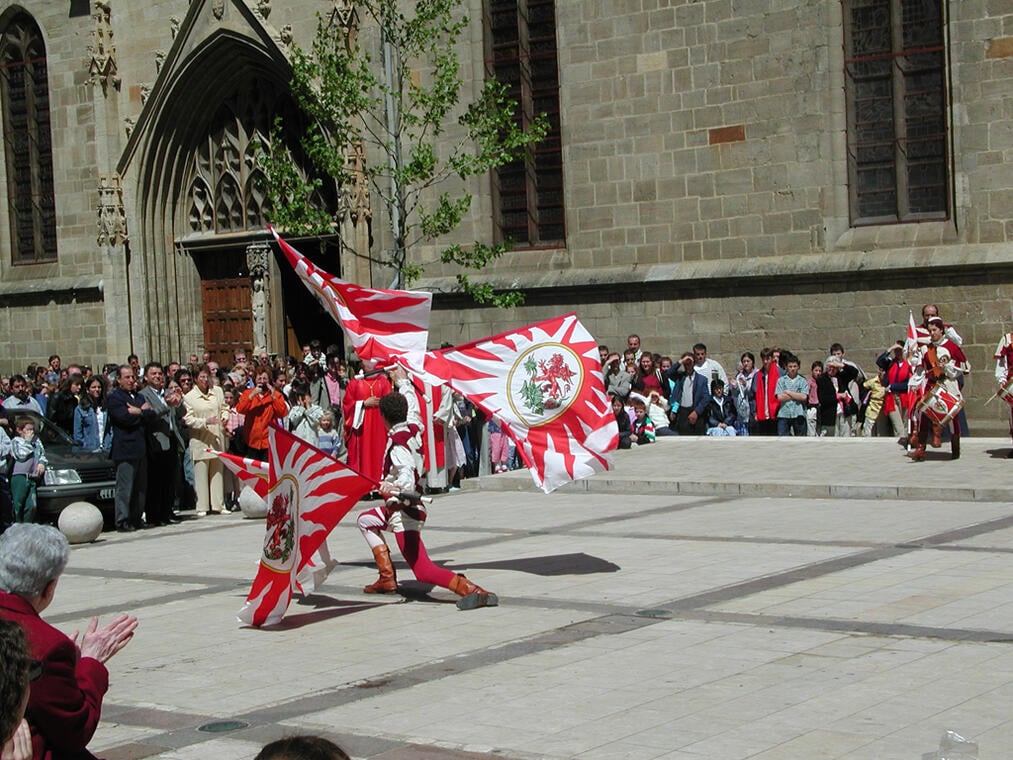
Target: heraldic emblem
[(280, 538), (549, 377)]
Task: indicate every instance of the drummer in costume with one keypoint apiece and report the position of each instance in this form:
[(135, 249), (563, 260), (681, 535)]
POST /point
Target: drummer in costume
[(941, 363), (1004, 375)]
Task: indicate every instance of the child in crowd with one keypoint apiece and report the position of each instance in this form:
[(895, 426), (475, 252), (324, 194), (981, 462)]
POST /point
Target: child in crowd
[(642, 430), (29, 467), (792, 392), (812, 411), (877, 394), (622, 420), (720, 412), (303, 418), (499, 447), (328, 439)]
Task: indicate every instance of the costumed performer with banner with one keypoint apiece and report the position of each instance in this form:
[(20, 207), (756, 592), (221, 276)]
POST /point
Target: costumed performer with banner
[(403, 512)]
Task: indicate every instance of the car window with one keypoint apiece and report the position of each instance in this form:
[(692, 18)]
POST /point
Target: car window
[(50, 434)]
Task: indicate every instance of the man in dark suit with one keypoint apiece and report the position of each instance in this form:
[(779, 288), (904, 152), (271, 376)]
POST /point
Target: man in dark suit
[(164, 444), (127, 411), (65, 703), (690, 396)]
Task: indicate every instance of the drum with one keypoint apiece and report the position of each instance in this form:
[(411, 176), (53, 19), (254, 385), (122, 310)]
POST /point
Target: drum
[(939, 405), (1005, 392)]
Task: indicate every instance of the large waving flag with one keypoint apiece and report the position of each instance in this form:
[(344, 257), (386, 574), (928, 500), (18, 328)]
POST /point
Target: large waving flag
[(308, 495), (543, 384), (380, 324), (250, 472)]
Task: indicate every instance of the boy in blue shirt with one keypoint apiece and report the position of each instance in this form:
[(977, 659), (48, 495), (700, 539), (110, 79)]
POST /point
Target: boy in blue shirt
[(792, 391)]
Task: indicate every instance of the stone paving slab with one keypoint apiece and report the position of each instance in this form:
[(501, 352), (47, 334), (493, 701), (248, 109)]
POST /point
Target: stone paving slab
[(632, 624)]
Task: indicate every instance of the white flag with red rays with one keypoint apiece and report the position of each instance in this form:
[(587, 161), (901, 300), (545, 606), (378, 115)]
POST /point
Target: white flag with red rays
[(380, 324), (251, 472), (308, 494), (543, 384)]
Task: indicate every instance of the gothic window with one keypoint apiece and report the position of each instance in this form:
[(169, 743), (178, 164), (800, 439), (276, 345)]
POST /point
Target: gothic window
[(28, 149), (528, 194), (227, 187), (896, 105)]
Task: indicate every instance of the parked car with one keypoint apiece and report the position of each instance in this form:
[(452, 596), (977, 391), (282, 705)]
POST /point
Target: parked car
[(72, 475)]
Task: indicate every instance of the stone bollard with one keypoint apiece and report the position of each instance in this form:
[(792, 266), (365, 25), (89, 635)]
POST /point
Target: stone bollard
[(254, 507), (80, 522)]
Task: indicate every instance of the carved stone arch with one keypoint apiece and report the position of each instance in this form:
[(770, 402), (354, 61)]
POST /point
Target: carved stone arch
[(199, 199)]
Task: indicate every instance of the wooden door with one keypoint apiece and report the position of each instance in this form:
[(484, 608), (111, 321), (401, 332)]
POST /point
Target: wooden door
[(226, 298)]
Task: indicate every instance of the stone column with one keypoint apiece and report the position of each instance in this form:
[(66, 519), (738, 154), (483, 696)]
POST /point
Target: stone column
[(258, 261)]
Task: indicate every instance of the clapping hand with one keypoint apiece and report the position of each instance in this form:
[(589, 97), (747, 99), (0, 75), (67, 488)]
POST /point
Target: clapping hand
[(102, 643)]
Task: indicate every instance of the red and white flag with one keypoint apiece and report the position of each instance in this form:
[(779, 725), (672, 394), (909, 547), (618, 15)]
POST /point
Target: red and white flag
[(251, 472), (543, 385), (380, 324), (308, 495), (912, 350)]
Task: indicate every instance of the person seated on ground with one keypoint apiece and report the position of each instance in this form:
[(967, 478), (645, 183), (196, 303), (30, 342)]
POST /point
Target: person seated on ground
[(16, 670), (642, 429), (65, 704), (622, 420), (720, 412), (302, 748), (657, 410)]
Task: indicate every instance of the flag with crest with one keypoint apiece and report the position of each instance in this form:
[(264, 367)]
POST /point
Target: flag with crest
[(543, 385), (380, 324), (308, 494)]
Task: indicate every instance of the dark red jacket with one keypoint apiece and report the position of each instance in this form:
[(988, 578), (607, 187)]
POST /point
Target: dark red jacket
[(65, 703)]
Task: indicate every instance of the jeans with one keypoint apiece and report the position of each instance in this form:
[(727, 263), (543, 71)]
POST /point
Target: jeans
[(796, 425)]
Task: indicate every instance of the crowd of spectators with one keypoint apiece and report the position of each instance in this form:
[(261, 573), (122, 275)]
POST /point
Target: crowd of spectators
[(161, 421), (656, 395)]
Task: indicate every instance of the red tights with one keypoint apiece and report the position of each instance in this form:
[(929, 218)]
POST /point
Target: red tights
[(415, 554)]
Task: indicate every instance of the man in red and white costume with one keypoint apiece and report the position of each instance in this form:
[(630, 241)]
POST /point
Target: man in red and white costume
[(944, 368), (403, 512), (1004, 371)]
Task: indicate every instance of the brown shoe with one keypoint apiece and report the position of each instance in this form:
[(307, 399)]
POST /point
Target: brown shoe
[(472, 595), (387, 582), (917, 455)]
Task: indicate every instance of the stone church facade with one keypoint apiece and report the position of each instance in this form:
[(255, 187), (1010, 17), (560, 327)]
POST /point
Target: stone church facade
[(742, 174)]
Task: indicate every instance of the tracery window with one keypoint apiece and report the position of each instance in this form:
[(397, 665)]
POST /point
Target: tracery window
[(896, 104), (528, 195), (227, 184), (28, 148)]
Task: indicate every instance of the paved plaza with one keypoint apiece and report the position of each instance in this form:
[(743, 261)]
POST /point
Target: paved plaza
[(708, 599)]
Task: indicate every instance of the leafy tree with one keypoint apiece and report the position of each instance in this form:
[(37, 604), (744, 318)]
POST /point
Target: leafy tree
[(400, 108)]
